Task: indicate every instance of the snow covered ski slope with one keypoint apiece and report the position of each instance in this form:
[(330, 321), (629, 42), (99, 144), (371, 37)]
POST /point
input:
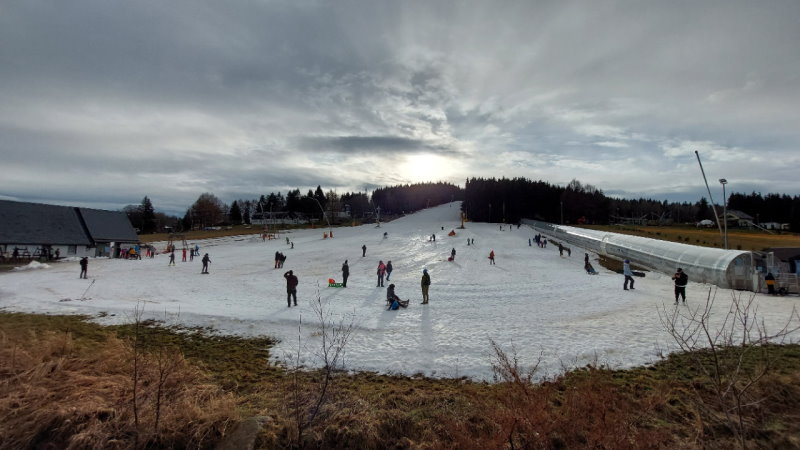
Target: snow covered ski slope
[(532, 298)]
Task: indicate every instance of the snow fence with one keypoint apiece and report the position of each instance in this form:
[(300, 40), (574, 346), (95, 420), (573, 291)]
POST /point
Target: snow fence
[(731, 269)]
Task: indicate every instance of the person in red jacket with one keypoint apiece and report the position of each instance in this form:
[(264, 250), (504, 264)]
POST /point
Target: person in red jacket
[(381, 273), (491, 257), (291, 288)]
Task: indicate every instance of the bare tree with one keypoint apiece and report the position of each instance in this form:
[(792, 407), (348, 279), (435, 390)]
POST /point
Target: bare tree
[(334, 336), (734, 354)]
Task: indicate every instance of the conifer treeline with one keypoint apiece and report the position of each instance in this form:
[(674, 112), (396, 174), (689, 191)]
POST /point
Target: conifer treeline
[(413, 197), (780, 208), (509, 200)]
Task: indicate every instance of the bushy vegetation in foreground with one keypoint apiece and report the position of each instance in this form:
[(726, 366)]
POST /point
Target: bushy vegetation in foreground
[(67, 383)]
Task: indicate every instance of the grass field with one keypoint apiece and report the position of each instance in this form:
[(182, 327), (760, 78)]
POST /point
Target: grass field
[(708, 237), (65, 383)]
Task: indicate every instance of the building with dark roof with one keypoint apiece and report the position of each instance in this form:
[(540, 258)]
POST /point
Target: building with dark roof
[(38, 230)]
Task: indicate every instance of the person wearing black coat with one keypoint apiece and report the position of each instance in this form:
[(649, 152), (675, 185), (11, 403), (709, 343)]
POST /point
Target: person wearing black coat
[(345, 273), (291, 287)]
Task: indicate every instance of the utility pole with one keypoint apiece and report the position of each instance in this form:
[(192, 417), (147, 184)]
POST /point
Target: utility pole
[(723, 181)]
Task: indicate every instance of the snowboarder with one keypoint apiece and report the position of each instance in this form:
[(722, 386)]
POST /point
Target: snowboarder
[(388, 270), (770, 280), (84, 266), (206, 260), (491, 257), (381, 273), (171, 258), (345, 273), (426, 283), (681, 279), (291, 288), (626, 270), (363, 250)]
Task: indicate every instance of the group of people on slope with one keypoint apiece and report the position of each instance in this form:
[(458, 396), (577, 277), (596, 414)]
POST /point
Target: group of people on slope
[(680, 280)]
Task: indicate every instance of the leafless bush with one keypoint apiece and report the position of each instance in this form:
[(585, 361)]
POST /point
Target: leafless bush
[(733, 355), (307, 399)]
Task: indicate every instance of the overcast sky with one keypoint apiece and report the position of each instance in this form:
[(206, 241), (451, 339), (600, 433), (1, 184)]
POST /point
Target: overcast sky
[(105, 101)]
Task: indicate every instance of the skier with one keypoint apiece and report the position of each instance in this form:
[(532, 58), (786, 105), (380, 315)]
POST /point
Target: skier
[(388, 270), (491, 257), (84, 266), (626, 270), (206, 260), (681, 279), (426, 283), (345, 273), (381, 273), (291, 288), (172, 258), (363, 250)]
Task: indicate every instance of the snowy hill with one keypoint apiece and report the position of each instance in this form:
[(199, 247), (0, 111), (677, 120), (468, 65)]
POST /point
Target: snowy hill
[(532, 298)]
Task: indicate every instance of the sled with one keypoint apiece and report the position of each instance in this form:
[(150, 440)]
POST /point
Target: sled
[(451, 233), (450, 259), (333, 283), (402, 303)]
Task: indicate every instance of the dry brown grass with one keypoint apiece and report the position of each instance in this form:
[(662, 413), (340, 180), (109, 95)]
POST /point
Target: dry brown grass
[(55, 394)]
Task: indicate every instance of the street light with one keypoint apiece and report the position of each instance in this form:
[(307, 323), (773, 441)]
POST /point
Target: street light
[(330, 229), (723, 182)]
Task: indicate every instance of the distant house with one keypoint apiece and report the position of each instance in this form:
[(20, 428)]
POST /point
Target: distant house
[(738, 219), (277, 218), (38, 230), (774, 226)]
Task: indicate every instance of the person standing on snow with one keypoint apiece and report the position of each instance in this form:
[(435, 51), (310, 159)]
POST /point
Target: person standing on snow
[(388, 270), (681, 279), (363, 250), (381, 273), (426, 283), (84, 266), (171, 258), (291, 288), (453, 254), (491, 257), (345, 273), (626, 270), (770, 280), (206, 260)]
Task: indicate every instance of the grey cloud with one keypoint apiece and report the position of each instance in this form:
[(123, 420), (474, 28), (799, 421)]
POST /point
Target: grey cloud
[(183, 97), (371, 144)]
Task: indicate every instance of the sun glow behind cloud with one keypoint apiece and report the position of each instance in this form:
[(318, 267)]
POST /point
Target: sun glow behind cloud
[(421, 168)]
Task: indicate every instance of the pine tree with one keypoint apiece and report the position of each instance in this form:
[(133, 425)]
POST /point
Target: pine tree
[(148, 216), (235, 214)]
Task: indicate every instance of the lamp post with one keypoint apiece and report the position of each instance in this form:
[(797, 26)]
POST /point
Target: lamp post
[(723, 182)]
